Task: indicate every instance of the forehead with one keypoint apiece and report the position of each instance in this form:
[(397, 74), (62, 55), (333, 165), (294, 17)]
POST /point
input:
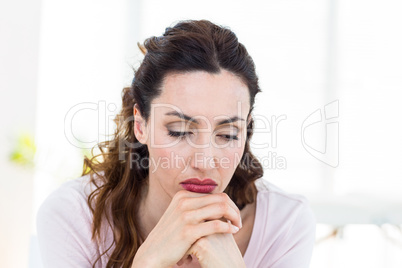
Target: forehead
[(200, 93)]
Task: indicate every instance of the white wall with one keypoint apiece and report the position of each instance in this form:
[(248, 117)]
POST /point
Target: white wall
[(19, 47), (83, 68)]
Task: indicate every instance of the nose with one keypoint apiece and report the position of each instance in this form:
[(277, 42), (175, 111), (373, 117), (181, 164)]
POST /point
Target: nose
[(204, 156)]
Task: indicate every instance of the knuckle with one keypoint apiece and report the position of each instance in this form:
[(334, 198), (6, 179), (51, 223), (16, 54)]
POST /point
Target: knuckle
[(181, 204), (224, 207), (217, 225), (184, 234), (186, 216), (180, 194), (224, 197), (187, 233)]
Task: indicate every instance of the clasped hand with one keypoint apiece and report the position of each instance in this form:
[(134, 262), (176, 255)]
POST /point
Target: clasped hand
[(192, 224)]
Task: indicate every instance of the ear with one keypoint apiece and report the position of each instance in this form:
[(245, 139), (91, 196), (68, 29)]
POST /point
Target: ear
[(249, 119), (139, 126)]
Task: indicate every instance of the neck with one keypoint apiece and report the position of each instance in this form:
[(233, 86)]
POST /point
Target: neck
[(151, 208)]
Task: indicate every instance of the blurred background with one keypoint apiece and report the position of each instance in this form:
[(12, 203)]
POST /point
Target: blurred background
[(327, 122)]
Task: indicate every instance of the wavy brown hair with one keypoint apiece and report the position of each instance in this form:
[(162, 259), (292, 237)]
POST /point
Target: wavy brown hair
[(188, 46)]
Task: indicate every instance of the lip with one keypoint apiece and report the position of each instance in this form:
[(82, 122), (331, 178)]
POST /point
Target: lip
[(200, 182), (199, 186)]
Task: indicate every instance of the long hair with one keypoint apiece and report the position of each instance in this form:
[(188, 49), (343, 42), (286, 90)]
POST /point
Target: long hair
[(190, 45)]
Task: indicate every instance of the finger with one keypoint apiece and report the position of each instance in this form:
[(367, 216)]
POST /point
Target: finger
[(212, 227), (191, 201), (201, 199), (215, 211)]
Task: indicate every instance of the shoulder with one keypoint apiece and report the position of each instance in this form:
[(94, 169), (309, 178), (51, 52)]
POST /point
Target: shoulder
[(64, 225), (71, 196), (281, 209), (274, 197), (65, 207), (285, 224)]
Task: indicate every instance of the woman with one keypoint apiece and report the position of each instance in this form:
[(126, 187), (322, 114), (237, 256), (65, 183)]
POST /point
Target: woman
[(178, 185)]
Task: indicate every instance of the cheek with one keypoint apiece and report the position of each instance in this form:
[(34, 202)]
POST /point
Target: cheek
[(158, 154), (230, 159), (168, 160), (160, 146)]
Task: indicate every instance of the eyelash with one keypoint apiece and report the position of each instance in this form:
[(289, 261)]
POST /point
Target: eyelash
[(180, 135)]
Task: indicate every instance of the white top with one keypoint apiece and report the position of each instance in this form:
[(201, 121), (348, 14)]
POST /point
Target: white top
[(283, 234)]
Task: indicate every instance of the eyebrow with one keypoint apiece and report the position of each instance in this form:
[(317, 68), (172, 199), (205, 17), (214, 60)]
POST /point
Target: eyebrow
[(189, 118)]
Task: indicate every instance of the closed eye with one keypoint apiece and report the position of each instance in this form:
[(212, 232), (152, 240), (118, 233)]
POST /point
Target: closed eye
[(182, 134), (178, 134), (229, 137)]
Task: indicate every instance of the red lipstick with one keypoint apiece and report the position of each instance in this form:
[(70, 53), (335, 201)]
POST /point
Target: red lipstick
[(199, 186)]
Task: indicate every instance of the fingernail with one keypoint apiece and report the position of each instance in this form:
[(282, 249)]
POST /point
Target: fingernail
[(235, 228)]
